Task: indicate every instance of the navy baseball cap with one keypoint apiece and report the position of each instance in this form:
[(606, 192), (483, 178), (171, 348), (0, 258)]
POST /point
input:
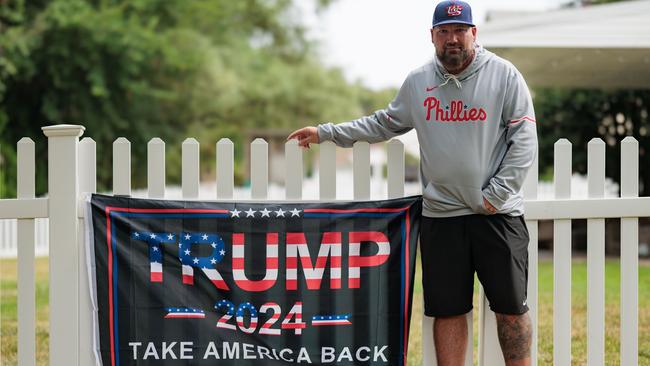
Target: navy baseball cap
[(452, 12)]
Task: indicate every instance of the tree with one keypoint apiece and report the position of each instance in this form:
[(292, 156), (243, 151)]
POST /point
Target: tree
[(580, 115), (159, 68)]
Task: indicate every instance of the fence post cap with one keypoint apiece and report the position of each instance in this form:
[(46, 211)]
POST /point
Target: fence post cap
[(63, 130)]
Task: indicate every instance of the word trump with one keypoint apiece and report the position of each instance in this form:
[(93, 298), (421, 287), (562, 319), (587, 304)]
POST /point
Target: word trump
[(297, 255)]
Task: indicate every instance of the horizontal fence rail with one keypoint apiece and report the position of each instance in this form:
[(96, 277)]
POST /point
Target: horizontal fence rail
[(24, 231)]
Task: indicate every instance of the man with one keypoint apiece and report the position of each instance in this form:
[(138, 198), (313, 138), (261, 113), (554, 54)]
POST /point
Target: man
[(474, 118)]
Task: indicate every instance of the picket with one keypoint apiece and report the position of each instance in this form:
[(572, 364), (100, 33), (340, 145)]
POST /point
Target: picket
[(294, 170), (156, 168), (530, 194), (259, 169), (190, 169), (26, 251), (596, 258), (87, 184), (225, 169), (361, 170), (327, 171), (629, 256), (562, 259), (395, 168), (122, 167)]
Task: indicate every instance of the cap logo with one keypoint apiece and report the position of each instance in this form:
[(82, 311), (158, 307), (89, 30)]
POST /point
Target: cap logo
[(454, 10)]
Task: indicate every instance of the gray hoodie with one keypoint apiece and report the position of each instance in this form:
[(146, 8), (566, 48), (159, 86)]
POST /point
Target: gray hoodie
[(477, 134)]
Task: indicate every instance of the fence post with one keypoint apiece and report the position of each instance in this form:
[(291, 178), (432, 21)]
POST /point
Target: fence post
[(26, 249), (64, 254)]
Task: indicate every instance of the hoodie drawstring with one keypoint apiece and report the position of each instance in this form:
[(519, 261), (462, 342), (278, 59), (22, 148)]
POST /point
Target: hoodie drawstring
[(449, 77)]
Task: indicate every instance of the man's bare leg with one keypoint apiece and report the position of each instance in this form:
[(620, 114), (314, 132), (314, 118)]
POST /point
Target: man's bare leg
[(450, 338), (515, 336)]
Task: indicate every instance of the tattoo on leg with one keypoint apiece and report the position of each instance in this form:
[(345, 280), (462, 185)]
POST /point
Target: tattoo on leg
[(515, 334)]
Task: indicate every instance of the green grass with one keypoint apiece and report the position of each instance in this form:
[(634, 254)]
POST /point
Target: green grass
[(8, 313)]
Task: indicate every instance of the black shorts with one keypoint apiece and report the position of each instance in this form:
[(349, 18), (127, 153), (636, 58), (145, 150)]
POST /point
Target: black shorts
[(453, 248)]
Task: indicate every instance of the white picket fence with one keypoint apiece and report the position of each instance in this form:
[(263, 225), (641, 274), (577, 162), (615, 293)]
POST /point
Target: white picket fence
[(72, 172)]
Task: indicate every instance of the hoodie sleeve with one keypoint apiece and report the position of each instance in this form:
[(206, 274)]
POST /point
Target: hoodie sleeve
[(379, 126), (521, 139)]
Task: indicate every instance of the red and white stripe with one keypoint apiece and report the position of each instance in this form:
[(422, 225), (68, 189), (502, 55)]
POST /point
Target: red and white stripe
[(330, 247), (252, 327), (238, 271), (266, 327), (524, 118), (156, 272), (213, 275), (188, 274), (356, 261)]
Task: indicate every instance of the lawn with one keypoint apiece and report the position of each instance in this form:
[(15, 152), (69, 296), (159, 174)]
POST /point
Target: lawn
[(8, 327)]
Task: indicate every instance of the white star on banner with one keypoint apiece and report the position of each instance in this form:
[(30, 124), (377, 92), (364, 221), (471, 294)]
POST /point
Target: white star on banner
[(213, 261), (265, 212), (170, 237), (187, 236), (250, 213), (235, 213), (137, 235), (152, 236), (295, 212), (214, 245), (187, 252), (222, 252), (279, 212), (155, 249), (205, 237), (196, 260)]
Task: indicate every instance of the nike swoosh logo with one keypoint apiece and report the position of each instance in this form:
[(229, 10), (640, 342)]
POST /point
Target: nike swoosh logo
[(432, 88)]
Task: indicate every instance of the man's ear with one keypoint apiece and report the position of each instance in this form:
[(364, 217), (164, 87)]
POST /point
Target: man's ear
[(431, 31), (474, 33)]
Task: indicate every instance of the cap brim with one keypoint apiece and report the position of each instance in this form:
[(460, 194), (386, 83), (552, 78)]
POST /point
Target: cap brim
[(453, 22)]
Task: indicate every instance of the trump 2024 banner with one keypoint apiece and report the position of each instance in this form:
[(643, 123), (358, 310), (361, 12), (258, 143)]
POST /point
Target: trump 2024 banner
[(259, 283)]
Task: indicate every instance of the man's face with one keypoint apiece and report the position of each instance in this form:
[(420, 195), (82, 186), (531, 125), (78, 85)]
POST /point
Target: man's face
[(454, 44)]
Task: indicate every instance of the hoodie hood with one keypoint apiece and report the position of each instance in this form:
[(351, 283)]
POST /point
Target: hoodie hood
[(481, 57)]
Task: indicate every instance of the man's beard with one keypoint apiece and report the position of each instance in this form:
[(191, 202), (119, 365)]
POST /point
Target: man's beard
[(453, 61)]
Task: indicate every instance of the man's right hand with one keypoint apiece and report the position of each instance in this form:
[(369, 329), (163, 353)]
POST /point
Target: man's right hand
[(305, 136)]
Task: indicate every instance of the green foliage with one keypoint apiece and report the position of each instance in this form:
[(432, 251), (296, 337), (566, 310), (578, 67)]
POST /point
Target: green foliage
[(160, 68), (580, 115)]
